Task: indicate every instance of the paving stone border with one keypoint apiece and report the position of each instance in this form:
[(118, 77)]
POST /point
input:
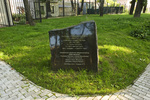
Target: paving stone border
[(14, 86)]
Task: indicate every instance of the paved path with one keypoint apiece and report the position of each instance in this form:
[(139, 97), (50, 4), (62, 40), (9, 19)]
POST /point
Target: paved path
[(14, 86)]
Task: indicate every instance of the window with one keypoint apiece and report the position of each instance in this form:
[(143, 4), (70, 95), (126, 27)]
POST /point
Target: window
[(52, 9), (42, 9)]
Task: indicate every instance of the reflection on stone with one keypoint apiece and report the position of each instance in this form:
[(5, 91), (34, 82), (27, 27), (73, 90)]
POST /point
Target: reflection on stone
[(74, 47)]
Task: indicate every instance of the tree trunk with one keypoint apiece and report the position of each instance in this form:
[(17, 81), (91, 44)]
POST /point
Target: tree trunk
[(28, 13), (63, 8), (75, 7), (82, 5), (72, 5), (101, 7), (39, 10), (132, 7), (95, 7), (138, 8), (48, 9), (89, 6), (144, 8), (78, 10)]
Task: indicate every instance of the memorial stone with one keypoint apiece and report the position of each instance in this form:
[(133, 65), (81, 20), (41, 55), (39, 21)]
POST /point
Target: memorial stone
[(74, 47)]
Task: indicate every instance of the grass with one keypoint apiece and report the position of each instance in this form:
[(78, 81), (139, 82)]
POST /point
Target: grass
[(121, 57)]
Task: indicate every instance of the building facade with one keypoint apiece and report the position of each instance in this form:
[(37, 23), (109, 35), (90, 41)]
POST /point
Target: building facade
[(5, 13)]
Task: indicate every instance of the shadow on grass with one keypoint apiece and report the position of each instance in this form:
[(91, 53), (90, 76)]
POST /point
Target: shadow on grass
[(121, 57)]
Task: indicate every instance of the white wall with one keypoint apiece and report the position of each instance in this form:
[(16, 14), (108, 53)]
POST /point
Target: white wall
[(14, 4), (148, 6), (3, 14), (3, 17)]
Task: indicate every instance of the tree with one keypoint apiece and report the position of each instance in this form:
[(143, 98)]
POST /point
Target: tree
[(48, 9), (75, 8), (144, 9), (95, 6), (101, 7), (145, 5), (139, 7), (132, 6), (82, 5), (72, 4), (63, 8), (28, 13)]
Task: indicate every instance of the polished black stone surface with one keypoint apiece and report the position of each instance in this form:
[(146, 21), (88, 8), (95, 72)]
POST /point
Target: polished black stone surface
[(74, 47)]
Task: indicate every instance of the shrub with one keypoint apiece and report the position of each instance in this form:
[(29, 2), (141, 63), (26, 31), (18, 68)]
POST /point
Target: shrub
[(143, 32), (22, 21), (140, 33), (17, 17)]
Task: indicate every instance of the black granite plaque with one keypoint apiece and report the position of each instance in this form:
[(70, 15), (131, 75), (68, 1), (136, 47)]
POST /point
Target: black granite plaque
[(74, 47)]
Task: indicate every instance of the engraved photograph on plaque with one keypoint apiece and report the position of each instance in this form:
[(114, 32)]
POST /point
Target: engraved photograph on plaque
[(74, 47)]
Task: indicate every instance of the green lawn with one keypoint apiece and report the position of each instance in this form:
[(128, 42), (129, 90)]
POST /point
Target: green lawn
[(121, 57)]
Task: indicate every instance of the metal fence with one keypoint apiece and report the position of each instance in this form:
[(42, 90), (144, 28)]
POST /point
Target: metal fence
[(56, 9), (5, 14), (107, 10), (35, 10), (13, 11), (18, 10)]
